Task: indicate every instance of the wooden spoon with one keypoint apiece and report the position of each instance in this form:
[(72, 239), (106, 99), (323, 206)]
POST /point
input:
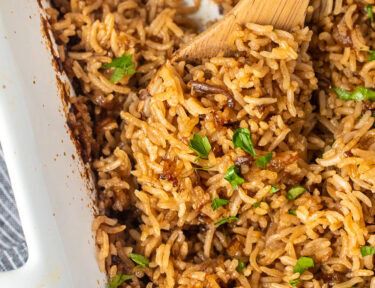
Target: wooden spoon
[(282, 14)]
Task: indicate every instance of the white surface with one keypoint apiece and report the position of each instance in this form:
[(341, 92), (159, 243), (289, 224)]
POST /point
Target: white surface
[(208, 11), (51, 195)]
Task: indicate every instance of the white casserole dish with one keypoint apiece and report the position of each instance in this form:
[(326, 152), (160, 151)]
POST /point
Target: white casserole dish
[(52, 193), (53, 199)]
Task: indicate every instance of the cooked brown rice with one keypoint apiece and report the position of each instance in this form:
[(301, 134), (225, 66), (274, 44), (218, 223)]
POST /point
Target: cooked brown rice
[(151, 198)]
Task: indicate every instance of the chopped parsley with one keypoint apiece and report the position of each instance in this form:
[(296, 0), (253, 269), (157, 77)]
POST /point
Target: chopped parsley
[(141, 260), (217, 202), (225, 220), (200, 145), (370, 14), (295, 192), (360, 94), (241, 265), (242, 139), (233, 176), (255, 205), (262, 161), (274, 189), (303, 264), (203, 168), (367, 250), (371, 55), (295, 282), (292, 212), (123, 65), (342, 93), (118, 280)]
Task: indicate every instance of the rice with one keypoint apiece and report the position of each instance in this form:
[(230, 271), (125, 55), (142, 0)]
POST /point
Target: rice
[(152, 199)]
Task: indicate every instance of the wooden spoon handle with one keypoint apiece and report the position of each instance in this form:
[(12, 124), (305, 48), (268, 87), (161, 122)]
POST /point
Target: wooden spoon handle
[(282, 14)]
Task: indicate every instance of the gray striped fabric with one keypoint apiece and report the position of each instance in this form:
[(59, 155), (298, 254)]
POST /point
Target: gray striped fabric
[(13, 249)]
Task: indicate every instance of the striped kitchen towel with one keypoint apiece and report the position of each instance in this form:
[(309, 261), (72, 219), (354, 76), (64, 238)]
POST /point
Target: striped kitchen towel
[(13, 249)]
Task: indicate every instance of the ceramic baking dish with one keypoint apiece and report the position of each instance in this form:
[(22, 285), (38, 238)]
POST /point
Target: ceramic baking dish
[(46, 173), (53, 194)]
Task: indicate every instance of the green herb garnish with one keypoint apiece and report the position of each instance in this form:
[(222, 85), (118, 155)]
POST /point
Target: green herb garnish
[(262, 161), (233, 176), (370, 14), (200, 145), (141, 260), (255, 205), (240, 266), (293, 212), (274, 189), (118, 280), (294, 282), (303, 264), (371, 55), (242, 139), (360, 94), (333, 142), (217, 202), (123, 65), (367, 250), (203, 168), (225, 220), (295, 192), (342, 93)]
